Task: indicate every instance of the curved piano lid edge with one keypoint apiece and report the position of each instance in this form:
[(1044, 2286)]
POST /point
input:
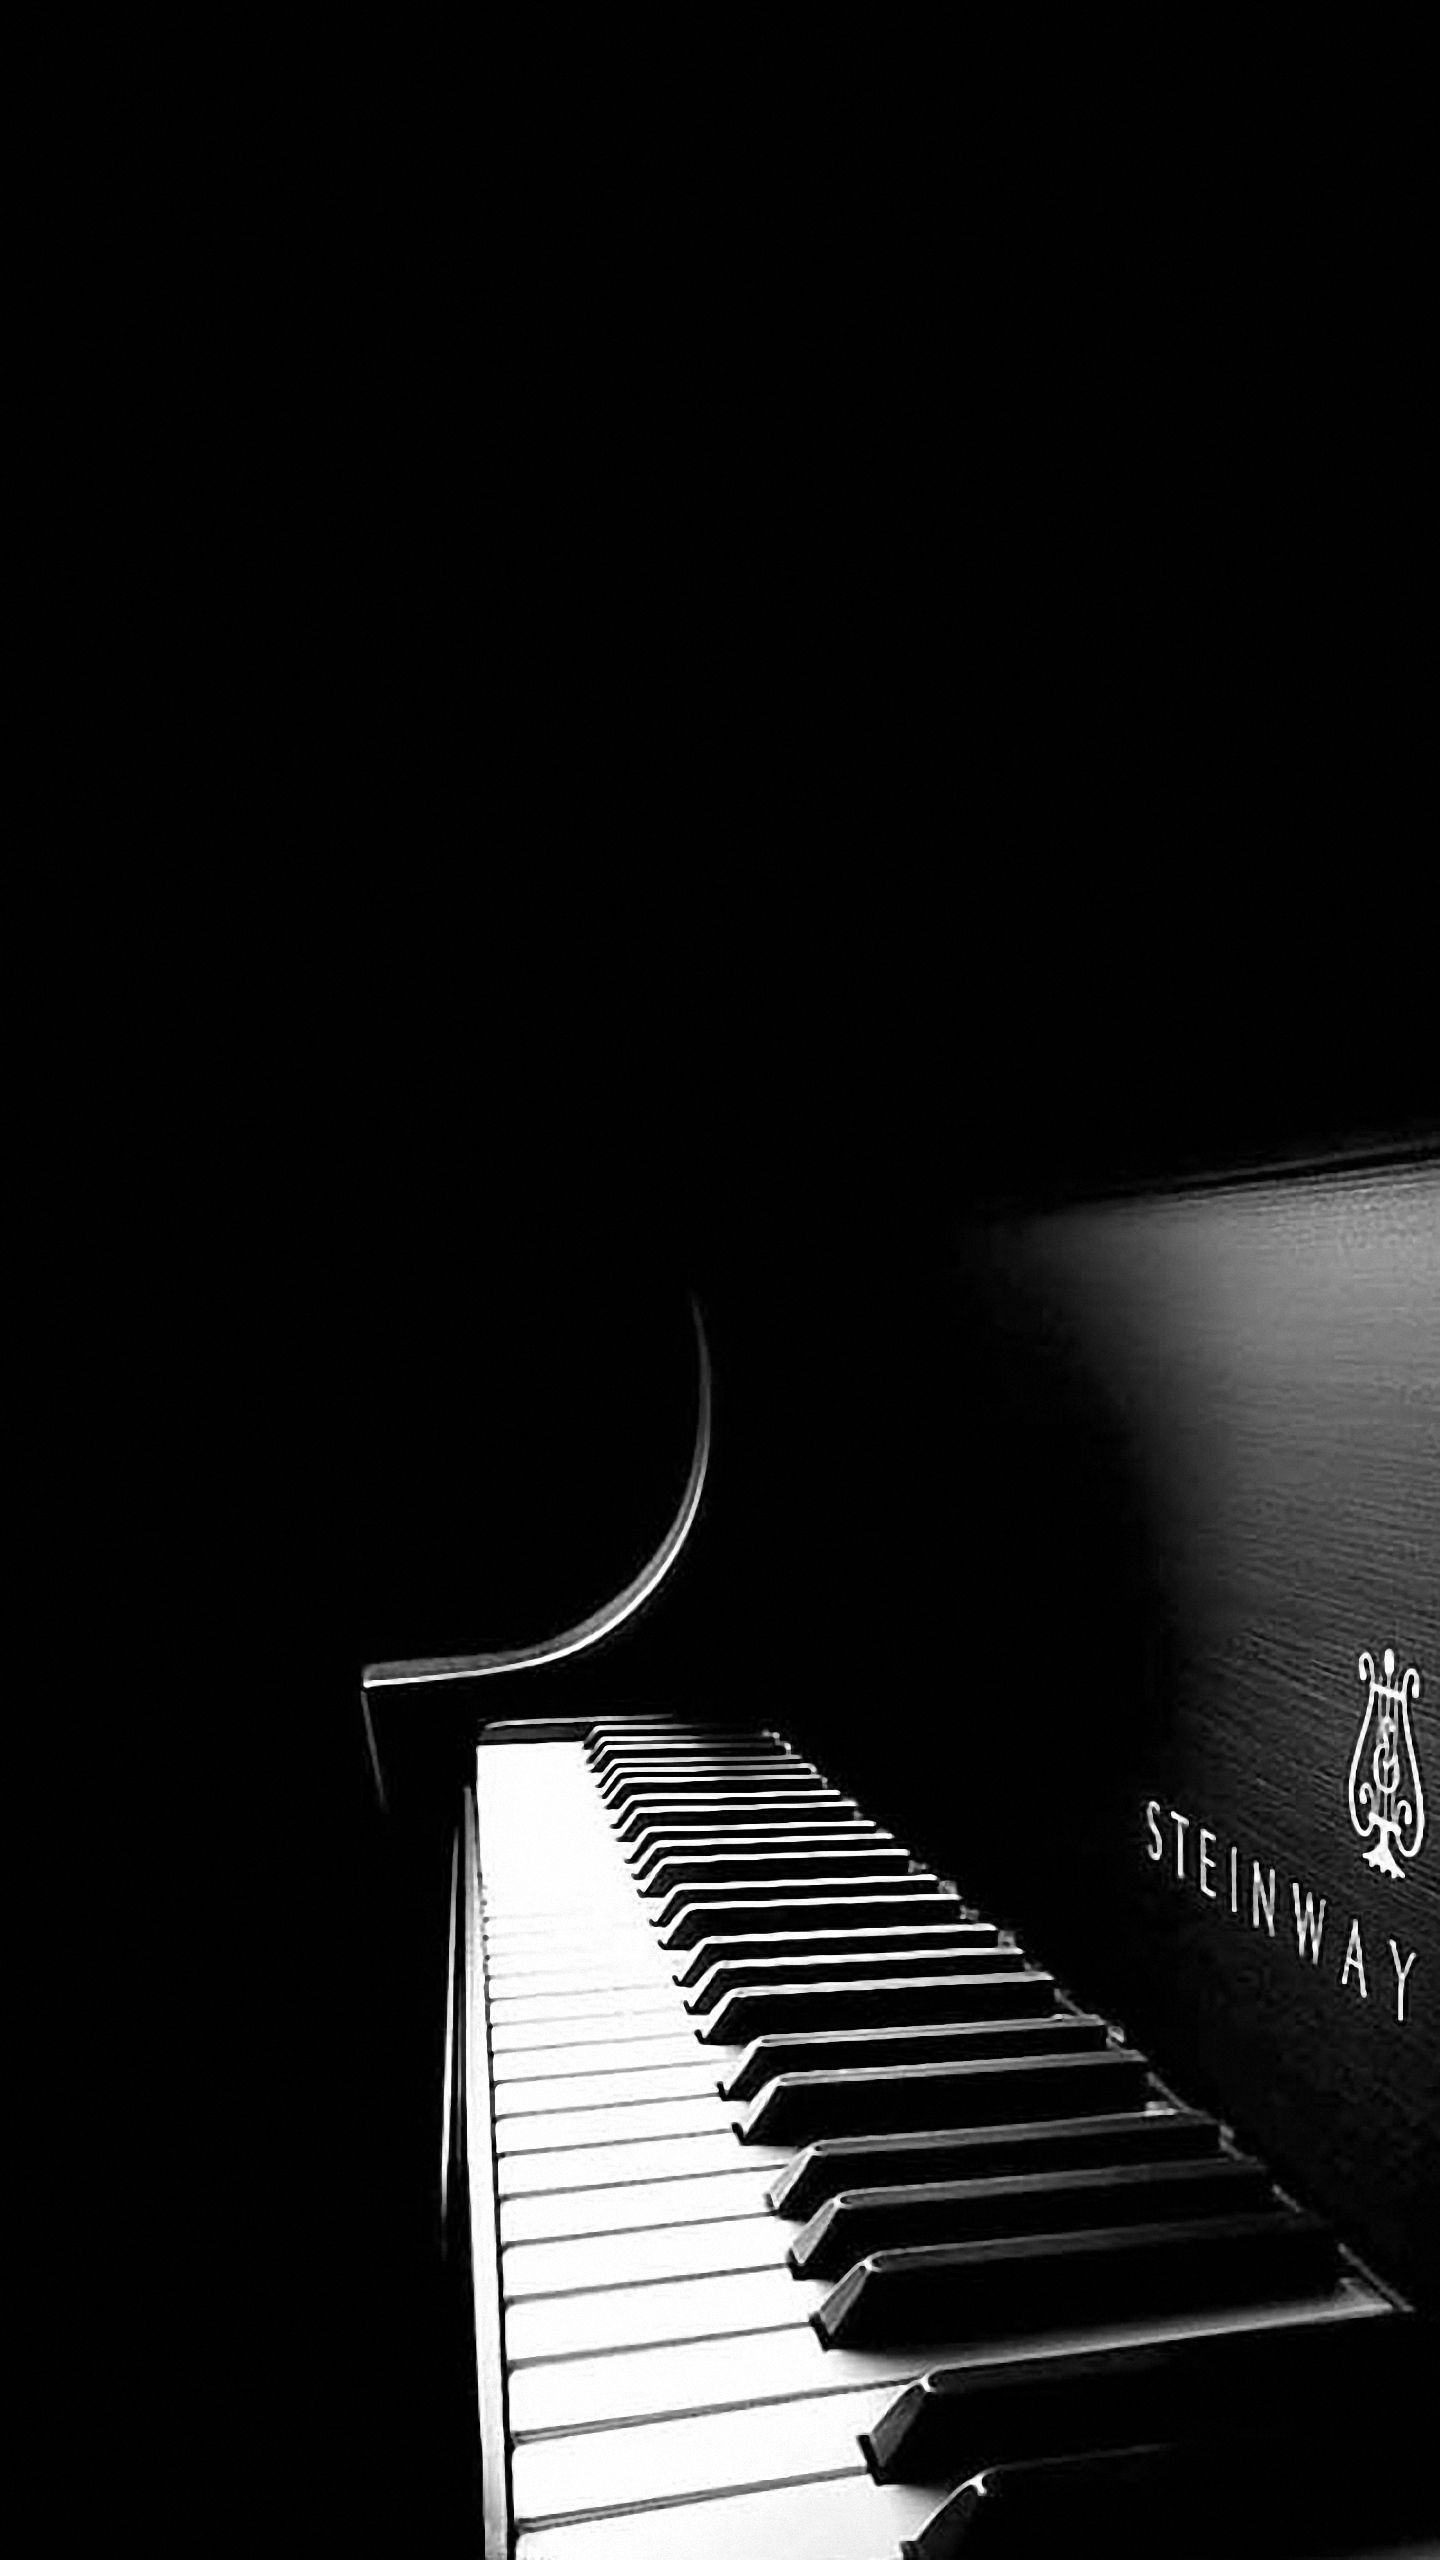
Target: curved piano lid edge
[(589, 1631)]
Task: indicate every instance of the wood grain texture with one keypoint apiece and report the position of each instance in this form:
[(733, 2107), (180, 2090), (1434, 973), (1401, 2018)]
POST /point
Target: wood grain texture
[(1204, 1473)]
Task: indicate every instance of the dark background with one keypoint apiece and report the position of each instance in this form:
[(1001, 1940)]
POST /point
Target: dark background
[(720, 713)]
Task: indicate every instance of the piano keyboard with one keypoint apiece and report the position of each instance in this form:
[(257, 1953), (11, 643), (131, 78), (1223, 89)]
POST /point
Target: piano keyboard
[(823, 2225)]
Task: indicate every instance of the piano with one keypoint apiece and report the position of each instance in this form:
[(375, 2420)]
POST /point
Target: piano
[(1015, 2132)]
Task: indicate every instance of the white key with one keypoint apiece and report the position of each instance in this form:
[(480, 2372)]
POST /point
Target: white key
[(826, 2520), (514, 2009), (649, 2207), (543, 2035), (553, 2478), (631, 2054), (693, 2079), (791, 2364), (576, 2125), (613, 2164), (646, 2315), (643, 2257)]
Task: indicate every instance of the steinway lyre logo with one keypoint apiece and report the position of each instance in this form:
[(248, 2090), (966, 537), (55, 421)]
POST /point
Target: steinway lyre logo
[(1386, 1796)]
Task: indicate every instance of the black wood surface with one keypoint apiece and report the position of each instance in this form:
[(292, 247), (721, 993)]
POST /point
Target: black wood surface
[(1196, 1449)]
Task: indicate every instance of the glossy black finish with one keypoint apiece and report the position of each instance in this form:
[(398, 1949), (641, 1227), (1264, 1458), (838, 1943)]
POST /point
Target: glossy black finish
[(917, 1965), (927, 1936), (972, 2151), (853, 2225), (873, 2048), (903, 2294), (1292, 2496), (873, 1909), (957, 2418), (879, 2000), (807, 1882), (780, 1866), (804, 2109), (818, 1830)]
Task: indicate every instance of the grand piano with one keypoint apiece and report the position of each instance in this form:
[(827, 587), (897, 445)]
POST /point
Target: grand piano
[(953, 2064)]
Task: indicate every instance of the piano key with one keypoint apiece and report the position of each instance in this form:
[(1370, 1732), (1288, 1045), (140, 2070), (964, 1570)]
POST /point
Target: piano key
[(641, 2257), (551, 2094), (1002, 2150), (555, 2478), (1288, 2490), (680, 1764), (802, 2107), (751, 1798), (807, 1884), (717, 1737), (818, 1804), (782, 1787), (639, 2055), (925, 1935), (695, 2154), (563, 2129), (689, 2376), (866, 2048), (878, 1999), (835, 1864), (634, 1972), (911, 1964), (513, 2008), (648, 1813), (845, 2519), (1035, 2278), (572, 2324), (713, 2453), (852, 1906), (774, 1768), (854, 2224), (731, 2197), (578, 2035), (816, 1831), (954, 2419)]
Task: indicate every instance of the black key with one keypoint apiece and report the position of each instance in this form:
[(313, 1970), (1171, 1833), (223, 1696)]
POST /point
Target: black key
[(619, 1799), (960, 2417), (806, 1882), (780, 1777), (870, 2048), (695, 1834), (786, 1782), (653, 1814), (702, 1764), (928, 1937), (880, 2000), (803, 2107), (677, 1745), (854, 2225), (1044, 2279), (724, 1866), (1279, 2493), (913, 1962), (740, 1804), (623, 1755), (873, 1913), (983, 2151), (816, 1830)]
